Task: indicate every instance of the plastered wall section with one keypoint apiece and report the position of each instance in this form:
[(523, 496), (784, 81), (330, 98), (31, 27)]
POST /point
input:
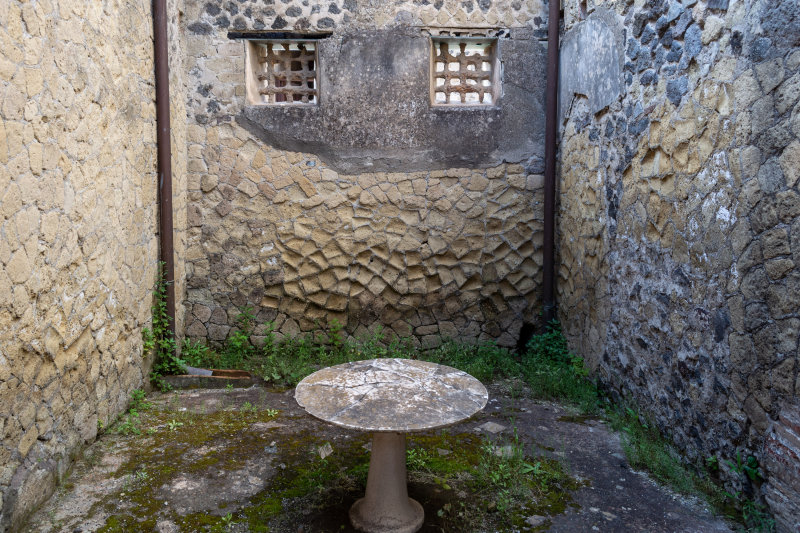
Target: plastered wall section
[(178, 132), (678, 232), (453, 253), (78, 222)]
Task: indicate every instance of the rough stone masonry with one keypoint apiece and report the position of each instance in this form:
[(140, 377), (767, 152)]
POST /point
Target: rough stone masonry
[(680, 221), (78, 245), (679, 216), (371, 207)]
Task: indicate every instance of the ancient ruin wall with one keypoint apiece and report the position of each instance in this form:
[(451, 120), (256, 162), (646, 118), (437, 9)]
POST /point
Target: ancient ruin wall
[(363, 223), (78, 224), (679, 235)]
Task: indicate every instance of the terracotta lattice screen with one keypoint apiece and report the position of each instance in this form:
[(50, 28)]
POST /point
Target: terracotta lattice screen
[(288, 72), (464, 71)]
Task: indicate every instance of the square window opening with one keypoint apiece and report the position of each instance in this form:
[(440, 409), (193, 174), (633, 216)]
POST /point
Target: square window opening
[(282, 72), (464, 71)]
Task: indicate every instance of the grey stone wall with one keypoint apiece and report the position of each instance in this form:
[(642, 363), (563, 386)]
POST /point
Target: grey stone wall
[(679, 235)]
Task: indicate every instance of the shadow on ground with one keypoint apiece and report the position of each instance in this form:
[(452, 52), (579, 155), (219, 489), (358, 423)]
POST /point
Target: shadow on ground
[(250, 460)]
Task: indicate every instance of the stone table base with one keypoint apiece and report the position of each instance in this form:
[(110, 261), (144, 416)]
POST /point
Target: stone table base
[(386, 507)]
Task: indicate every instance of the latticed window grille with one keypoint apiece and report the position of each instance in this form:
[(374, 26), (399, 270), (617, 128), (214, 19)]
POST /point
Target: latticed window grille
[(464, 71), (288, 72)]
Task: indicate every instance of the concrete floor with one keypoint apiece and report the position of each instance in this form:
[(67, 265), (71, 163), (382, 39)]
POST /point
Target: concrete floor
[(224, 460)]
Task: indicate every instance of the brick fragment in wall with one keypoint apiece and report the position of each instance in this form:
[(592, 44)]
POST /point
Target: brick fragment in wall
[(782, 464)]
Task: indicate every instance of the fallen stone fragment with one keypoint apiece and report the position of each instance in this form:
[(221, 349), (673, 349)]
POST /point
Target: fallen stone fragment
[(325, 450), (492, 427), (264, 426), (535, 520)]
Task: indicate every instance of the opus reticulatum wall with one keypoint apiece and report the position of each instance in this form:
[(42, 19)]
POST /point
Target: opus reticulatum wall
[(371, 206)]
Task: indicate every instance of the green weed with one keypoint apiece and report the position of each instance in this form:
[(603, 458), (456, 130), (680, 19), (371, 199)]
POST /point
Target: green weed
[(173, 425), (748, 467), (238, 347), (417, 459), (757, 518), (196, 354), (646, 449), (129, 424), (514, 479), (159, 341), (553, 372), (247, 407), (139, 400)]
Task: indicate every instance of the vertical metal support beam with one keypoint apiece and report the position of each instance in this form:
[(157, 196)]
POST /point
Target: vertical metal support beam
[(550, 140), (165, 227)]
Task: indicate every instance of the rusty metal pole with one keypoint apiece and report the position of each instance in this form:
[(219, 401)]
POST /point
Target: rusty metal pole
[(165, 228), (550, 139)]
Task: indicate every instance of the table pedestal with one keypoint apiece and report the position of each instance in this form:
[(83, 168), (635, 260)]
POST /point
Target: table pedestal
[(386, 507)]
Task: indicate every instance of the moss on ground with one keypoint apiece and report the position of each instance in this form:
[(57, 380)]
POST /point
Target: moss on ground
[(447, 473), (167, 447)]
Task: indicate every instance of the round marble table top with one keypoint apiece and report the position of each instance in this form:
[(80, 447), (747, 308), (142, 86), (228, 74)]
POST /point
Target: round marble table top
[(399, 395)]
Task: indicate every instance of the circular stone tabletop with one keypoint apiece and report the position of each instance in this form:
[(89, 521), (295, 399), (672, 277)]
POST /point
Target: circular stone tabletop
[(399, 395)]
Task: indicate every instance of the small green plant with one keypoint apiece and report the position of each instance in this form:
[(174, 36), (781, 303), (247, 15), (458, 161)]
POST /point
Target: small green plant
[(334, 337), (247, 407), (748, 468), (417, 459), (225, 523), (753, 514), (553, 372), (159, 341), (238, 347), (173, 425), (647, 449), (757, 517), (511, 479), (129, 424), (139, 400), (229, 387), (196, 354), (272, 413)]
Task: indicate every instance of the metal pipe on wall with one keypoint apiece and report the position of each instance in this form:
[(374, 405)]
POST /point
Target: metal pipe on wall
[(165, 226), (550, 140)]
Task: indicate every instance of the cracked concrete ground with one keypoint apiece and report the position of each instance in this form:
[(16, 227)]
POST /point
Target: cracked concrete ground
[(205, 460)]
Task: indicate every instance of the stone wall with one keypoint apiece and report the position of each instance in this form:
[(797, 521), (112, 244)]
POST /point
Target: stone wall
[(679, 236), (78, 222), (426, 251)]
